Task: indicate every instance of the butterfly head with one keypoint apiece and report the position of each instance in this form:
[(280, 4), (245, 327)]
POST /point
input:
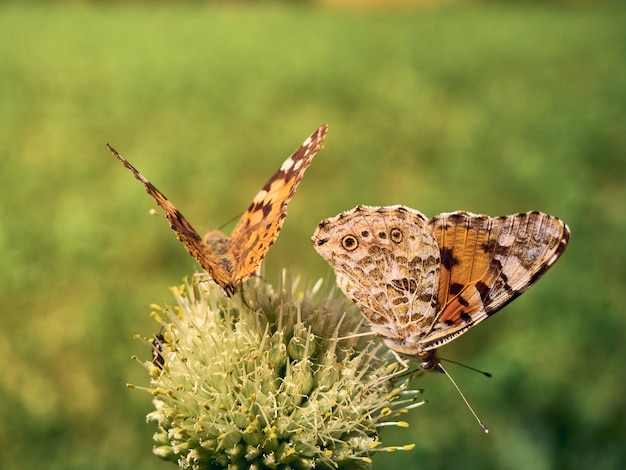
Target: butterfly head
[(429, 361)]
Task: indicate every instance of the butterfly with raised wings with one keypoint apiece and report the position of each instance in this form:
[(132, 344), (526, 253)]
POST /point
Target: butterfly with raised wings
[(423, 282), (229, 261)]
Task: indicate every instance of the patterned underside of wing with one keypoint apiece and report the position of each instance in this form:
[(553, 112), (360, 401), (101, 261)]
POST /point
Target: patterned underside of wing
[(259, 227), (184, 231), (389, 269), (487, 262)]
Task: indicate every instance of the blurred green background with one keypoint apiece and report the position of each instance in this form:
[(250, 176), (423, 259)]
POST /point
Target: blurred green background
[(489, 107)]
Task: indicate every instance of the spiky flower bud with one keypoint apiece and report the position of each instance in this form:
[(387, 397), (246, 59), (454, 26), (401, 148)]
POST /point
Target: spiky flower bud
[(270, 379)]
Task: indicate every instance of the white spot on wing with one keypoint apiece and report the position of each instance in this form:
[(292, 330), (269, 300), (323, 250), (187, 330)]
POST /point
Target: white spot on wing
[(506, 239), (287, 164)]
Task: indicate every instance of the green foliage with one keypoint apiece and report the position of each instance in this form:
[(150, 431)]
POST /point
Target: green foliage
[(494, 109)]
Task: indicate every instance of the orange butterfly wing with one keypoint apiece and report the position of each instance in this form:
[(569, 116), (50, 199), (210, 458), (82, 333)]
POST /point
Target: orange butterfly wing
[(259, 227), (486, 262), (204, 254)]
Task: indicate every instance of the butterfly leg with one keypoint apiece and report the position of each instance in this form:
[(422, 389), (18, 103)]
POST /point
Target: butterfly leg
[(405, 368)]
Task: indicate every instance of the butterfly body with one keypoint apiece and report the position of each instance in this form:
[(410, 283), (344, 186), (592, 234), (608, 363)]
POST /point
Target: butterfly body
[(423, 282), (231, 260)]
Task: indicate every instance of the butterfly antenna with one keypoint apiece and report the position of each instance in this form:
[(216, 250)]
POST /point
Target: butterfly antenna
[(243, 297), (486, 374), (230, 221), (480, 423)]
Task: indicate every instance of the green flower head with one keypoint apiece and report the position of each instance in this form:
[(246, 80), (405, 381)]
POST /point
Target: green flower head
[(270, 379)]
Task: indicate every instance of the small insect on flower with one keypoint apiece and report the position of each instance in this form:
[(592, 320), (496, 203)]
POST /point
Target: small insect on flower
[(157, 348)]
